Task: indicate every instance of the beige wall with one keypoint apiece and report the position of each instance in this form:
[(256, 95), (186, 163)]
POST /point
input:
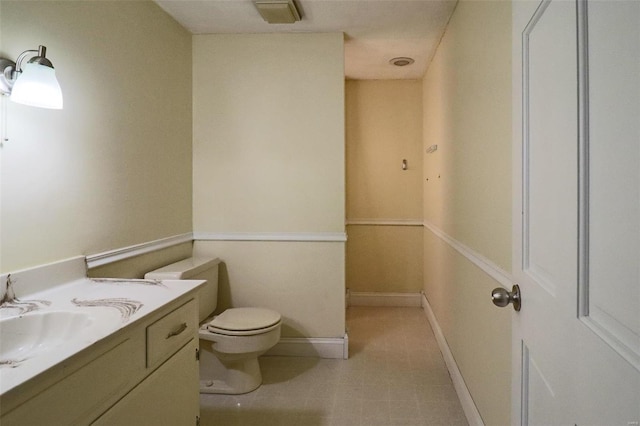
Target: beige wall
[(467, 113), (268, 157), (302, 281), (477, 333), (467, 109), (384, 126), (268, 133), (113, 168), (384, 259)]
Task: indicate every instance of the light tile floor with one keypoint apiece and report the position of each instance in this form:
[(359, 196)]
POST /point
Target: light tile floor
[(395, 376)]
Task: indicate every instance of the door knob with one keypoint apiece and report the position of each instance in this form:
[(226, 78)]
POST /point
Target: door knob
[(501, 297)]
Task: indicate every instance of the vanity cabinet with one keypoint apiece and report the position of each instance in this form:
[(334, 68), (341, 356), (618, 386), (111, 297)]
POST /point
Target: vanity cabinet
[(144, 374), (163, 398), (170, 395)]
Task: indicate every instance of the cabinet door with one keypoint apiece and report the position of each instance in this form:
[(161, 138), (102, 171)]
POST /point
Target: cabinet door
[(169, 396), (74, 399)]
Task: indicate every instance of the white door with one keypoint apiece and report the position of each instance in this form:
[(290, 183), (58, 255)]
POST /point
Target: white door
[(576, 73)]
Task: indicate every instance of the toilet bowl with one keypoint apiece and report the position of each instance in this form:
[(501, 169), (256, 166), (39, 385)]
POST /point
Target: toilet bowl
[(231, 342), (230, 345)]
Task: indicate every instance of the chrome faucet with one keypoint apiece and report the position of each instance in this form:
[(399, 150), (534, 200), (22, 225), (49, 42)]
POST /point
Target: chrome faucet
[(10, 301), (8, 295)]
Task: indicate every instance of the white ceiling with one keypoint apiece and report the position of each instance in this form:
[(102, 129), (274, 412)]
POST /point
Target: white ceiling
[(375, 30)]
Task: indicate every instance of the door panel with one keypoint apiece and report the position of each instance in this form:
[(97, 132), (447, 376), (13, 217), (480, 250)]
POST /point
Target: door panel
[(576, 212), (550, 164), (612, 58), (549, 198), (539, 393)]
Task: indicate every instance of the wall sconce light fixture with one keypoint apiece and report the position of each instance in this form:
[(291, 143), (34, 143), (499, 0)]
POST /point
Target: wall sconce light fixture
[(35, 84)]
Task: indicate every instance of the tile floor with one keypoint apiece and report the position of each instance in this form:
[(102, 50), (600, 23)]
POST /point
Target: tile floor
[(395, 376)]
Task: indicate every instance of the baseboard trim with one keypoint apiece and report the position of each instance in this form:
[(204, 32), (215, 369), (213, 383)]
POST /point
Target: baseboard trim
[(319, 347), (99, 259), (468, 406), (384, 299), (383, 222)]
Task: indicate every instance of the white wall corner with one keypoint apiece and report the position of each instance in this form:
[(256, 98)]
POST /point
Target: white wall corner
[(469, 407)]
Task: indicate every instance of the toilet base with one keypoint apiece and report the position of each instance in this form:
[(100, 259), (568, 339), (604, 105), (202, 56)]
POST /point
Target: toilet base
[(229, 377)]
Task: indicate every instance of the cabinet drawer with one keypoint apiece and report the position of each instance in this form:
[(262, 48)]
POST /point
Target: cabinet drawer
[(167, 335)]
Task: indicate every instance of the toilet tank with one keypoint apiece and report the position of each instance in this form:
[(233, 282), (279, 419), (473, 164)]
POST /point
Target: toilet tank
[(194, 268)]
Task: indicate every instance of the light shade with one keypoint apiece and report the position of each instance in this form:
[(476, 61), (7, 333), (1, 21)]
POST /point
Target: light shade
[(37, 86)]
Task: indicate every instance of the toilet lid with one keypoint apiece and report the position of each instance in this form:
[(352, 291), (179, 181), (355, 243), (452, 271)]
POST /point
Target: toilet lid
[(244, 319)]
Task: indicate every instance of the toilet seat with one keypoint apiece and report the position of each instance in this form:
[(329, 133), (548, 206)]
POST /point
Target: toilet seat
[(244, 322)]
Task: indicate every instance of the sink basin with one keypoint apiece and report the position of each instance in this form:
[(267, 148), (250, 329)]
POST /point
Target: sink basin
[(35, 334)]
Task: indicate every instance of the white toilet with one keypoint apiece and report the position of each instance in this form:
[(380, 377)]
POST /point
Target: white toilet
[(230, 343)]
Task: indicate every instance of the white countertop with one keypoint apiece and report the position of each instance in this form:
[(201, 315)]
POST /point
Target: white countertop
[(109, 305)]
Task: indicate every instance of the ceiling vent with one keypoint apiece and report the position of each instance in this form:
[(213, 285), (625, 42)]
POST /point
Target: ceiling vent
[(278, 12), (401, 61)]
